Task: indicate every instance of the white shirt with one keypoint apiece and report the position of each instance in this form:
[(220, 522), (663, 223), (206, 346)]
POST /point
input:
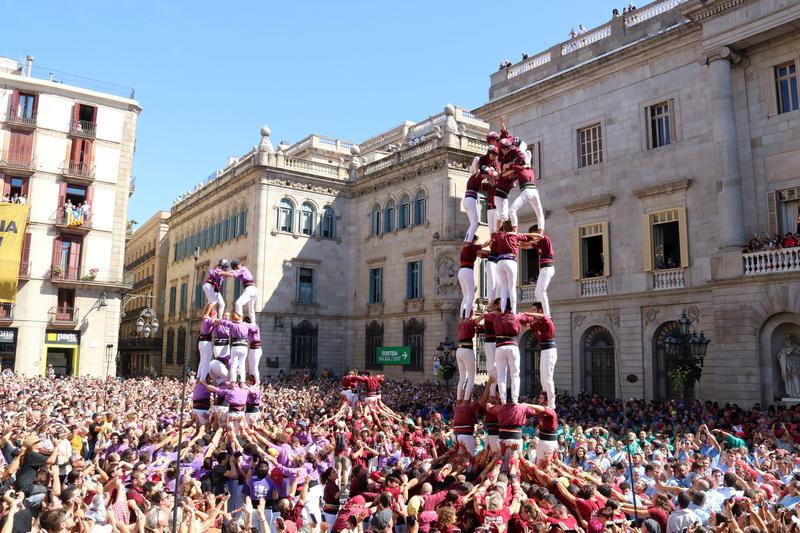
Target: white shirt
[(680, 519)]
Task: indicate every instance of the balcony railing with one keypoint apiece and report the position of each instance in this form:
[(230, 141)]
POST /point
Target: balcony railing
[(21, 161), (83, 128), (71, 274), (594, 287), (771, 261), (668, 279), (24, 269), (63, 315), (16, 118), (141, 259), (6, 311), (527, 294), (73, 218), (143, 282), (77, 169)]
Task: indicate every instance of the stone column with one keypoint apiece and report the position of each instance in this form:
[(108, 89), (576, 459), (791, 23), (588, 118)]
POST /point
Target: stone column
[(260, 241), (729, 176)]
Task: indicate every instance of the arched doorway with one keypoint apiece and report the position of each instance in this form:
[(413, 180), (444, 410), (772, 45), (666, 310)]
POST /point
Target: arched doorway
[(529, 363), (598, 357), (663, 389)]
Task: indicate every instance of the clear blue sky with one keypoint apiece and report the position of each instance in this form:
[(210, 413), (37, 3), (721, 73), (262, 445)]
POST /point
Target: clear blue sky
[(209, 74)]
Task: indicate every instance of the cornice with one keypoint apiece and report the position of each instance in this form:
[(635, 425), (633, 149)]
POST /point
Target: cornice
[(663, 188), (705, 9), (603, 200)]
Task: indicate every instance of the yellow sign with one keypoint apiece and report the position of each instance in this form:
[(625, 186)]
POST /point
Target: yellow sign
[(12, 234)]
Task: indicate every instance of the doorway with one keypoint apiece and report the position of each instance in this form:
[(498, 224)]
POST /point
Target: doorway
[(61, 359)]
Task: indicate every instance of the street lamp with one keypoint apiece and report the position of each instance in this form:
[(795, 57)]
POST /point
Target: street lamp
[(444, 360), (688, 349)]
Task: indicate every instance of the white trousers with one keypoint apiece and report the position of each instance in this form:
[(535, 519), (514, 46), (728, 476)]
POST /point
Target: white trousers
[(468, 441), (221, 350), (470, 205), (213, 297), (248, 297), (531, 196), (218, 371), (466, 278), (238, 362), (491, 369), (492, 287), (511, 445), (507, 360), (466, 373), (501, 214), (545, 449), (491, 219), (206, 350), (542, 282), (253, 357), (493, 443), (507, 276), (547, 367)]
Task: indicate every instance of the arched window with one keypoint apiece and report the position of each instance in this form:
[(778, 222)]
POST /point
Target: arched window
[(663, 388), (232, 222), (388, 217), (304, 346), (598, 357), (375, 220), (285, 215), (308, 215), (328, 223), (419, 208), (404, 213), (374, 336), (243, 221), (414, 336)]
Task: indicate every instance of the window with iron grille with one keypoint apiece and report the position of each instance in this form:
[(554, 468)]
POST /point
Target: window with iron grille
[(414, 336), (304, 346), (374, 340), (590, 146)]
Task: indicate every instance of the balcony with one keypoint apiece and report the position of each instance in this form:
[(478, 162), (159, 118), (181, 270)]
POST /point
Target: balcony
[(20, 119), (144, 282), (72, 220), (83, 128), (78, 171), (141, 259), (18, 162), (771, 261), (132, 343), (594, 287), (74, 277), (526, 294), (63, 316), (24, 270), (6, 312), (672, 278)]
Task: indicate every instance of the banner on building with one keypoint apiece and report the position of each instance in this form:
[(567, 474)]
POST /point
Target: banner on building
[(12, 235), (393, 355)]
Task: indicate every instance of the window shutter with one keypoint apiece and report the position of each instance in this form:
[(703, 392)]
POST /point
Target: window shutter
[(90, 196), (35, 104), (684, 235), (76, 112), (62, 193), (57, 251), (772, 212), (647, 243), (87, 153), (576, 254), (7, 186), (768, 87), (75, 258), (15, 102), (26, 248), (606, 250), (25, 182)]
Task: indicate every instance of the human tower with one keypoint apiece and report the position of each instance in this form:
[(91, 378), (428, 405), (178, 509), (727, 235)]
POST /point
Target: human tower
[(506, 163)]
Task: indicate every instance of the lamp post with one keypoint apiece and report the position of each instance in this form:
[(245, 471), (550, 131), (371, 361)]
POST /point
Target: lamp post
[(444, 361), (688, 349)]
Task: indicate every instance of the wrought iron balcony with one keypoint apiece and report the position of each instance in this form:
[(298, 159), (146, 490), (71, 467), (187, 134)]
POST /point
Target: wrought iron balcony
[(73, 220), (78, 169), (143, 282), (20, 118), (63, 316), (6, 311), (83, 128), (21, 162)]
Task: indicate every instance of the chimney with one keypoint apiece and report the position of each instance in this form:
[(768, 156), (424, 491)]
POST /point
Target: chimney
[(29, 62)]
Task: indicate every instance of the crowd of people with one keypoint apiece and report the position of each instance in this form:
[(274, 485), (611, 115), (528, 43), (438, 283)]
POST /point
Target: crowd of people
[(765, 242), (15, 198), (84, 454)]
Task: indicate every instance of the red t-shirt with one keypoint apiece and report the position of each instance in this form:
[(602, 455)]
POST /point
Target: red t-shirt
[(466, 330), (508, 242), (544, 329), (469, 252), (495, 519), (587, 508)]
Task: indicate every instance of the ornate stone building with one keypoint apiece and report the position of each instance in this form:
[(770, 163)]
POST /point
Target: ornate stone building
[(352, 246), (665, 140)]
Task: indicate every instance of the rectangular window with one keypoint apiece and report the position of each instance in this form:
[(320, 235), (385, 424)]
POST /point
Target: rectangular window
[(306, 221), (374, 340), (529, 269), (375, 285), (484, 287), (413, 337), (184, 290), (666, 243), (198, 296), (593, 250), (786, 87), (26, 108), (660, 124), (305, 285), (483, 213), (413, 280), (15, 190), (172, 292), (590, 146), (237, 288)]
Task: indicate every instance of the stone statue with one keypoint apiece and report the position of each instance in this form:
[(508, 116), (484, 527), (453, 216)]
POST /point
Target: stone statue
[(789, 361), (447, 277)]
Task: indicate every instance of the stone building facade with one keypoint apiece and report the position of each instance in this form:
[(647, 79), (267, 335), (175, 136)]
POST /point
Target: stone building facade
[(61, 146), (146, 253), (665, 140), (301, 218)]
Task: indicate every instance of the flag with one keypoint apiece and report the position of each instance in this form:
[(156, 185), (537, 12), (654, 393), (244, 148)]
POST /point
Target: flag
[(13, 218)]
